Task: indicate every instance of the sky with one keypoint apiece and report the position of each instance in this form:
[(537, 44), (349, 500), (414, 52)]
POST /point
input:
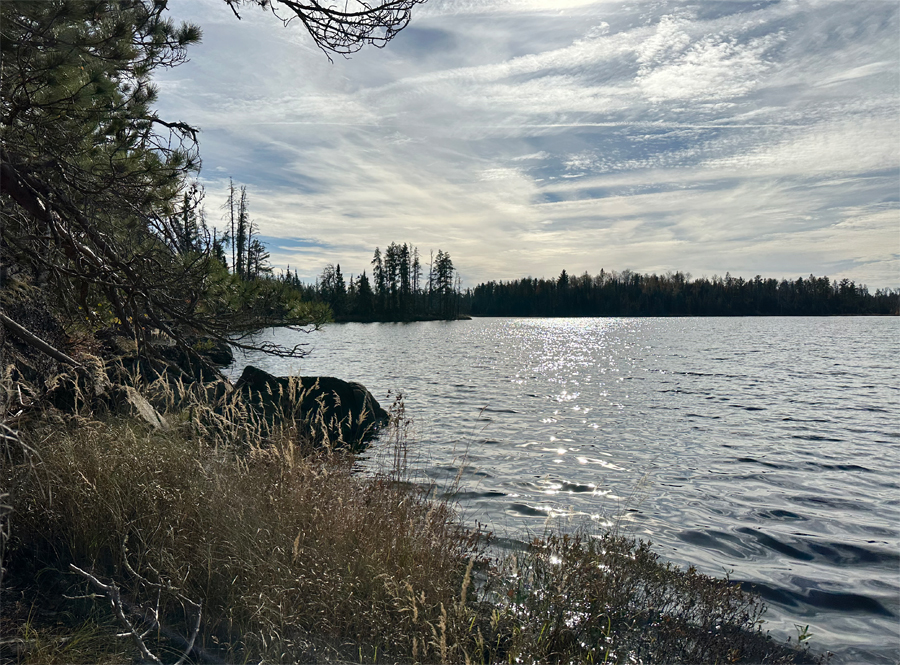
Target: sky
[(525, 137)]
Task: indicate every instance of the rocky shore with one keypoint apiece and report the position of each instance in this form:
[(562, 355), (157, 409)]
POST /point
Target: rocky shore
[(110, 376), (146, 495)]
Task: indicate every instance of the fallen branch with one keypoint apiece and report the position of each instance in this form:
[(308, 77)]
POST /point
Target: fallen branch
[(36, 342), (111, 592)]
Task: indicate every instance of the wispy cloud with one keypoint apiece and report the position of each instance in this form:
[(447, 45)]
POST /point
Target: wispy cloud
[(525, 136)]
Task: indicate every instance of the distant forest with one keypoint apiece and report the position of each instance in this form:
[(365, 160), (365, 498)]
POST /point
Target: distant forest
[(406, 286), (675, 294), (403, 287)]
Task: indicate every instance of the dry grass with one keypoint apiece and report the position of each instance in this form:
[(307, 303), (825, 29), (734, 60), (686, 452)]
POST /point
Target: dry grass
[(296, 558), (283, 549)]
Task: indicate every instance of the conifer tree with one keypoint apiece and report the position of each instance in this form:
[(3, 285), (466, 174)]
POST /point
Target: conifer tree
[(364, 296), (91, 175), (243, 228), (93, 180), (378, 276)]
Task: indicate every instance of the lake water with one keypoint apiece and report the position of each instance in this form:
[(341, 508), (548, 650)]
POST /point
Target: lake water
[(767, 447)]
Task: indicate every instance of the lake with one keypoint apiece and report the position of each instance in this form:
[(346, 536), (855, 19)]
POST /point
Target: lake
[(764, 447)]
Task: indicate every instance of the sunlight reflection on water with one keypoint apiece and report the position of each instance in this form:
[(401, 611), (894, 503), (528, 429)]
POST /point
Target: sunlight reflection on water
[(764, 446)]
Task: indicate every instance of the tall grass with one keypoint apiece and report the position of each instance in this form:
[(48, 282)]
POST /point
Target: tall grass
[(283, 549), (297, 558)]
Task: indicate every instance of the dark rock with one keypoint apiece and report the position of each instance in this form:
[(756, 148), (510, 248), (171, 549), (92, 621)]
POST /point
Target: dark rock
[(334, 412), (127, 400), (195, 365), (218, 353)]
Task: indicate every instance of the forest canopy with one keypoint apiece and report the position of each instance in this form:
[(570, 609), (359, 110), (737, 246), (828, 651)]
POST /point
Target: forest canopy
[(629, 293)]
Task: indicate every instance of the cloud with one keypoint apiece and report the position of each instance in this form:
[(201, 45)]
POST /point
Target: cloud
[(859, 147), (712, 69), (741, 137)]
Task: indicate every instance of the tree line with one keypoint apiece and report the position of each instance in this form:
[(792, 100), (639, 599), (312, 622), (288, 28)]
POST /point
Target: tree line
[(676, 294), (402, 287)]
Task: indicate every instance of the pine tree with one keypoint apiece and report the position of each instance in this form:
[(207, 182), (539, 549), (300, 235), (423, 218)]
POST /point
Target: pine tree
[(90, 180)]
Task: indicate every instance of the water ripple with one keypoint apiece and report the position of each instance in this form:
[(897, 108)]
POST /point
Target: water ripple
[(769, 447)]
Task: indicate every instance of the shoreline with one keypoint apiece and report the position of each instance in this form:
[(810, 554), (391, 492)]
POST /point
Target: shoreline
[(335, 533)]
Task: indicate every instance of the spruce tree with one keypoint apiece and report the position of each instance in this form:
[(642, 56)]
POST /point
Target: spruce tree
[(241, 240)]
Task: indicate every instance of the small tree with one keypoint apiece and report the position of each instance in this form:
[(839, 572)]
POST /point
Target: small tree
[(258, 260)]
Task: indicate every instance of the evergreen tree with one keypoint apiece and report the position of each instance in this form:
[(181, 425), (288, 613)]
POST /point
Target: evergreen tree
[(340, 289), (333, 288), (242, 231), (404, 264), (188, 224), (365, 301), (442, 283), (378, 276), (90, 180), (258, 260)]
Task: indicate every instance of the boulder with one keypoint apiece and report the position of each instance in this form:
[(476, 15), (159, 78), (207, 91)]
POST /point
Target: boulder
[(217, 352), (334, 412), (128, 400), (83, 390), (198, 367)]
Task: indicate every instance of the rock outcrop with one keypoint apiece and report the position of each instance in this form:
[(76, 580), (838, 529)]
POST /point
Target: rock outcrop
[(334, 412)]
